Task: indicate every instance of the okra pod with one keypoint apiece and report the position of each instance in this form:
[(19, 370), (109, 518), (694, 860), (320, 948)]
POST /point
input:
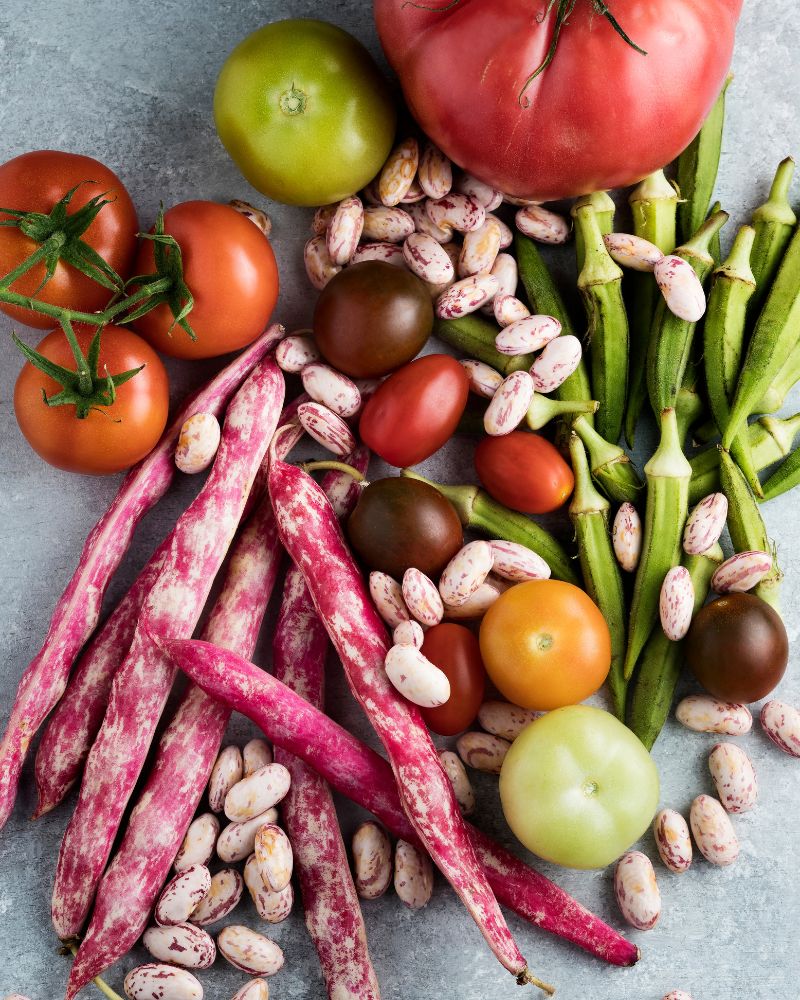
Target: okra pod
[(773, 222), (671, 337), (654, 205), (746, 525), (604, 209), (786, 379), (543, 409), (715, 246), (668, 473), (477, 510), (600, 285), (697, 168), (611, 468), (474, 336), (689, 405), (784, 478), (660, 664), (602, 579)]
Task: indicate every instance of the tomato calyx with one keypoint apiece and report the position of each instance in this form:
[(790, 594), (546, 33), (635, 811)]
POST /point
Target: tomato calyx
[(293, 101)]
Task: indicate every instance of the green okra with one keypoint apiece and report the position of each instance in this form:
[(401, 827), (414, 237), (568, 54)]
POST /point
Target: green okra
[(715, 246), (600, 285), (661, 662), (773, 222), (784, 478), (786, 379), (474, 336), (479, 511), (668, 474), (604, 209), (697, 168), (602, 579), (543, 409), (654, 205), (746, 525), (671, 337), (611, 468), (689, 404)]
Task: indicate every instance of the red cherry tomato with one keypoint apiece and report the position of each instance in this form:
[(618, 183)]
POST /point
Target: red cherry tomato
[(524, 471), (416, 410), (456, 651)]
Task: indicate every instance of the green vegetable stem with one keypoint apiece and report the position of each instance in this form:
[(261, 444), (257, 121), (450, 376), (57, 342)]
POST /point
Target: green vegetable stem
[(543, 409), (611, 468), (773, 222), (604, 209)]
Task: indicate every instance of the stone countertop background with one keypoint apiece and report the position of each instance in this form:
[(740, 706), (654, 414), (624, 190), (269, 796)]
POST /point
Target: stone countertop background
[(131, 83)]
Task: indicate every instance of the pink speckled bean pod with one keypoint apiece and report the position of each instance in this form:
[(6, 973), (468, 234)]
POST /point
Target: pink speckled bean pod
[(78, 608)]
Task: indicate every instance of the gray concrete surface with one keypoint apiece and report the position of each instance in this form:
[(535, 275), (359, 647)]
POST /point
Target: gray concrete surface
[(131, 83)]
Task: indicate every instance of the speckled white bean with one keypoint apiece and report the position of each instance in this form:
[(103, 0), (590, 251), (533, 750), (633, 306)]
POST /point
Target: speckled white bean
[(426, 258), (156, 981), (198, 844), (249, 952), (388, 225), (512, 199), (671, 833), (501, 718), (184, 944), (462, 788), (459, 211), (676, 603), (274, 857), (181, 895), (483, 193), (408, 633), (507, 273), (259, 219), (222, 898), (542, 225), (465, 572), (482, 751), (636, 890), (480, 602), (237, 839), (399, 171), (327, 428), (416, 678), (626, 536), (257, 753), (414, 194), (254, 795), (705, 714), (506, 233), (556, 363), (329, 387), (274, 907), (741, 572), (479, 249), (633, 251), (508, 309), (681, 288), (293, 353), (466, 296), (781, 723), (713, 831), (227, 771), (413, 875), (256, 989), (527, 335), (423, 224), (387, 596), (319, 266), (677, 995), (372, 860), (516, 562), (435, 172), (344, 230), (509, 404), (422, 597), (734, 777), (389, 253), (197, 443), (705, 524), (484, 381), (322, 219)]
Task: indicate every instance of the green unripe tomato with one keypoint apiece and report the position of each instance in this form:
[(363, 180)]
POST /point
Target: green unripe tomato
[(578, 788), (304, 112)]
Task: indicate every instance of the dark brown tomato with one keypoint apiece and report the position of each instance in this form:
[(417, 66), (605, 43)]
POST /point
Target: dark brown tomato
[(455, 651), (399, 523), (372, 318), (737, 648)]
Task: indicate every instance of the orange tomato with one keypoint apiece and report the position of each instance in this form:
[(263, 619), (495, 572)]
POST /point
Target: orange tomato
[(545, 644)]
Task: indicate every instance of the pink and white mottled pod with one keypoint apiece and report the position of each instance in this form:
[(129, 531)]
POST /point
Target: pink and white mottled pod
[(256, 989), (227, 771), (198, 443), (332, 389), (155, 981), (741, 572), (274, 907), (713, 831), (425, 257), (409, 633), (484, 381), (295, 352), (181, 895), (237, 840), (465, 572), (389, 253), (322, 219), (372, 860), (681, 288), (626, 535), (466, 296), (636, 890), (484, 194), (556, 363), (633, 251), (274, 857), (704, 714), (423, 224), (676, 603), (480, 602), (527, 335), (508, 309), (327, 428), (413, 875), (398, 172), (257, 753), (222, 898), (459, 779), (734, 777), (671, 833), (459, 211), (516, 562), (259, 219), (249, 952), (479, 249), (319, 266), (184, 944), (387, 596), (254, 795), (705, 524), (506, 233), (416, 678), (501, 718), (542, 225), (389, 225), (344, 230), (781, 723), (421, 597), (414, 194), (482, 751), (509, 404), (435, 172), (198, 844)]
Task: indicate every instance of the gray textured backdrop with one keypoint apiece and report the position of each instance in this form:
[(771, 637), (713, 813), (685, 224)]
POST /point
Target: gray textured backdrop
[(131, 83)]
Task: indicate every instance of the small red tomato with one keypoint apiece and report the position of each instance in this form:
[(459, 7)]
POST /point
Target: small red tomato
[(456, 651), (524, 471), (416, 410)]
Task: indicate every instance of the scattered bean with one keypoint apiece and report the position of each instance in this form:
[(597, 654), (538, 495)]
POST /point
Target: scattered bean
[(479, 249), (387, 596), (182, 944), (508, 309), (627, 537), (388, 225), (426, 258), (344, 230), (457, 774), (398, 172), (459, 211), (227, 771), (466, 296), (332, 389), (327, 428), (483, 380), (516, 562), (259, 219), (734, 777), (705, 714), (155, 981), (556, 363), (256, 989), (527, 335), (257, 753), (713, 831), (422, 598), (435, 172), (413, 875), (465, 572), (295, 352), (781, 723), (482, 751), (676, 603), (483, 193), (636, 890), (319, 266), (254, 795), (408, 633), (372, 860), (274, 857), (248, 951), (673, 842), (222, 898), (681, 288), (741, 572), (501, 718), (274, 907), (181, 895), (509, 404), (198, 844), (198, 443), (633, 251), (416, 678), (389, 253), (238, 839), (480, 602), (542, 225)]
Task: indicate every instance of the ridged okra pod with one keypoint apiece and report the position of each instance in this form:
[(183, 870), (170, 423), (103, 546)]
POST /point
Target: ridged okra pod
[(602, 579), (786, 379), (773, 222), (477, 510), (697, 168), (604, 209), (668, 473), (612, 470), (671, 337), (600, 285), (543, 409), (654, 205), (784, 478), (689, 405), (474, 336), (715, 246), (661, 662)]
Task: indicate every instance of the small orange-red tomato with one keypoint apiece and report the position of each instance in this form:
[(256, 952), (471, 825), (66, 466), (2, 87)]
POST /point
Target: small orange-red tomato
[(455, 650), (524, 471), (230, 269), (416, 410)]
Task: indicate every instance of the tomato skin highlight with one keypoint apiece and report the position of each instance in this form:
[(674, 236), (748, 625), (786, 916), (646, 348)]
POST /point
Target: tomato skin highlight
[(416, 410), (524, 471), (230, 269), (34, 182), (103, 442), (455, 650)]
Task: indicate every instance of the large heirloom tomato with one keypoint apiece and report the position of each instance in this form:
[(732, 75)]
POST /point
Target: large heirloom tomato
[(601, 115)]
